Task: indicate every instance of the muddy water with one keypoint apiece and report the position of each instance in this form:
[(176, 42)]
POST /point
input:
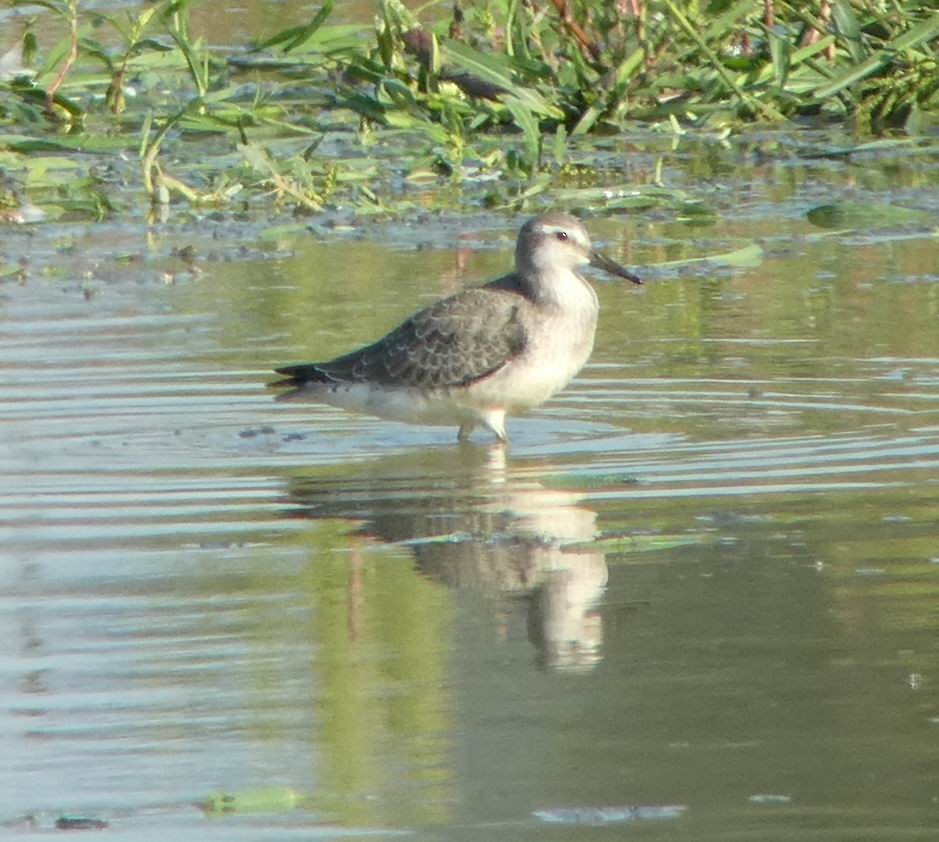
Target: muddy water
[(695, 600)]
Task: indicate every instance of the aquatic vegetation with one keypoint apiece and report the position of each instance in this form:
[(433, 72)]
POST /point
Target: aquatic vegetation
[(501, 103), (865, 216)]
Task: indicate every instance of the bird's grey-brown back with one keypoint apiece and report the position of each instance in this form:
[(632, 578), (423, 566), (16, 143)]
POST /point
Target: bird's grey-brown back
[(471, 358)]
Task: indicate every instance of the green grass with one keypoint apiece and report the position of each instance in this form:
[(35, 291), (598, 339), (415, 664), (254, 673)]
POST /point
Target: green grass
[(490, 100)]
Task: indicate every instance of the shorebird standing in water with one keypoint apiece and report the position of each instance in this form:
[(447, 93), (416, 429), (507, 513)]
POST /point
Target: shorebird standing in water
[(484, 353)]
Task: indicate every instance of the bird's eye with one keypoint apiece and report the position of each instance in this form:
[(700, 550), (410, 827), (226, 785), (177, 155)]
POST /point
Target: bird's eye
[(561, 235)]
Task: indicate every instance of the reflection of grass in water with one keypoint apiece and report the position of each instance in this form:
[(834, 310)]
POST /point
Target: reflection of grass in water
[(378, 637)]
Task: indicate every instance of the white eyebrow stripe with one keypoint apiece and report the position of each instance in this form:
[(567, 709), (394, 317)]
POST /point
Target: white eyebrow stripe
[(573, 235)]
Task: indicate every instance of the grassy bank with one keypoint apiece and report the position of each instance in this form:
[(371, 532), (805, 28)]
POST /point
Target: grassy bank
[(496, 94)]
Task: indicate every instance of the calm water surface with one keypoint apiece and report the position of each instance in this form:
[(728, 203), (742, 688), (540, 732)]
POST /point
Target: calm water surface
[(696, 600)]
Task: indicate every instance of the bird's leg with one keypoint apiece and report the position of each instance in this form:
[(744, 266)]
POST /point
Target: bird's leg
[(495, 421), (465, 432)]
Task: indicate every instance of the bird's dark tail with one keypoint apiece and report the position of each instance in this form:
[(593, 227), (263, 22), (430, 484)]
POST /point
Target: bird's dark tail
[(296, 376)]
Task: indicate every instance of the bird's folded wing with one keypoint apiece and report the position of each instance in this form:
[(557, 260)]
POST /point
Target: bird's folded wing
[(454, 342)]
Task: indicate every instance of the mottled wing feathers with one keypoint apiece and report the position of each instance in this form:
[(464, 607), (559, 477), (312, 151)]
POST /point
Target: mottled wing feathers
[(454, 342)]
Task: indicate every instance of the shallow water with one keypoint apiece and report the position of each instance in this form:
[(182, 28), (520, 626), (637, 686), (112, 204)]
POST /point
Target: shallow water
[(696, 599)]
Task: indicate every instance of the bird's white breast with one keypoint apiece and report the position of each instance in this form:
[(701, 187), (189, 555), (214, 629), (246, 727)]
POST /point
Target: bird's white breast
[(560, 333)]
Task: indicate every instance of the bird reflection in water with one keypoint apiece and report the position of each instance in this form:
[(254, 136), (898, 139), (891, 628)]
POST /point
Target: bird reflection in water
[(474, 523)]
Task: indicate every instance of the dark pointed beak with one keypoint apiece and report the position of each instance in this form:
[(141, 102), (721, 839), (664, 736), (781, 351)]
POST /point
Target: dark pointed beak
[(601, 261)]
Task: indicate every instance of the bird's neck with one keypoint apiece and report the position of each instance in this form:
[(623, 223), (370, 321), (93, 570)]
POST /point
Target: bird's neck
[(561, 289), (558, 289)]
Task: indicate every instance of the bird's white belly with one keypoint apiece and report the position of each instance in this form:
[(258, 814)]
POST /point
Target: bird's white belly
[(409, 405), (558, 350)]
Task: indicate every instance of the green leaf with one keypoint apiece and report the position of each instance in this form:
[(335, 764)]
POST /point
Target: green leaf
[(284, 232), (497, 70), (804, 53), (923, 32), (531, 132), (780, 49), (697, 213), (747, 257), (628, 67), (47, 171), (74, 143), (257, 158), (53, 5), (743, 258), (433, 66), (587, 121), (626, 197), (399, 95), (849, 29), (398, 15), (297, 36), (365, 105), (560, 145), (726, 22), (864, 215), (278, 799)]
